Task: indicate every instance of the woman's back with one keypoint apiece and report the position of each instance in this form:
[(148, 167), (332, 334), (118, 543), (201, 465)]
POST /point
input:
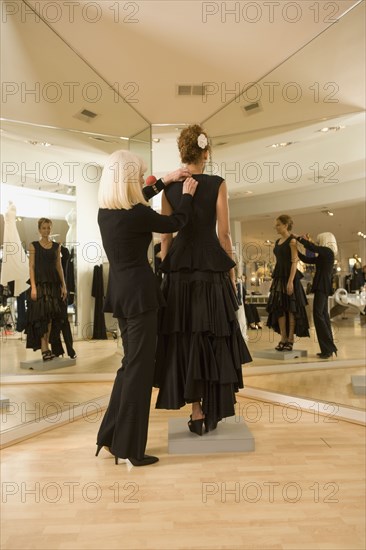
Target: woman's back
[(197, 247)]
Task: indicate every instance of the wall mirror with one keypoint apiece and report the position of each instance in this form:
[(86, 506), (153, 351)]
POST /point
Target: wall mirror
[(59, 123), (294, 143)]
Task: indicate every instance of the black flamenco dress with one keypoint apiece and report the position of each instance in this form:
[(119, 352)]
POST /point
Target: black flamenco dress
[(200, 348), (279, 302), (48, 305)]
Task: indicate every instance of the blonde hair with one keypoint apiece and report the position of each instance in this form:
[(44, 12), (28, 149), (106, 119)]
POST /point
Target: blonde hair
[(120, 184), (329, 240)]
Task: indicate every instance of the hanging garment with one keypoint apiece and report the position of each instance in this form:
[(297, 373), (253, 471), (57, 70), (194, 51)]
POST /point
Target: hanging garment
[(99, 328)]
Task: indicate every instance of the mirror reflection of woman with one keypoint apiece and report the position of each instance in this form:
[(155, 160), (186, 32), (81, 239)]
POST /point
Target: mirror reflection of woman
[(287, 300), (47, 291)]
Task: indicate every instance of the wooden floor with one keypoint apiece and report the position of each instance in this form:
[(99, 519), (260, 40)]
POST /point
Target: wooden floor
[(302, 489)]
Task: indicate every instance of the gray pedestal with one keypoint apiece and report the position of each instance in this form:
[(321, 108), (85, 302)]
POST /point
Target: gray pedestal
[(231, 436), (280, 355), (39, 364), (4, 401), (359, 384)]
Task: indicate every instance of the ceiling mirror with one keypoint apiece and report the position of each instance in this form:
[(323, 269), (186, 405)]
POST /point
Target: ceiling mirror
[(294, 143)]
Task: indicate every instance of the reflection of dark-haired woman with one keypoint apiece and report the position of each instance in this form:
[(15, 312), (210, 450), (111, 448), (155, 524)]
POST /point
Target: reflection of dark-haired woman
[(47, 291), (287, 300)]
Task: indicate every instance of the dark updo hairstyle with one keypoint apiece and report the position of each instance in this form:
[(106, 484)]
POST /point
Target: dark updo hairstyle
[(286, 220), (190, 151), (41, 221)]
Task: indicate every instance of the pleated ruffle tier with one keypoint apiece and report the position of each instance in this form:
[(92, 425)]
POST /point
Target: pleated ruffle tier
[(280, 304), (41, 312), (200, 349)]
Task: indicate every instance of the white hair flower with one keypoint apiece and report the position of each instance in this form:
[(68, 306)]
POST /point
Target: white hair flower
[(202, 141)]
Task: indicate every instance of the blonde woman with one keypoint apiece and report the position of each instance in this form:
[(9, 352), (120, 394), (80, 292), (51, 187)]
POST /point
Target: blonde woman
[(126, 224)]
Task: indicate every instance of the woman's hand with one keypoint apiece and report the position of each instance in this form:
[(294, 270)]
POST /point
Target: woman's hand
[(190, 186), (34, 294), (177, 175), (290, 288), (63, 292)]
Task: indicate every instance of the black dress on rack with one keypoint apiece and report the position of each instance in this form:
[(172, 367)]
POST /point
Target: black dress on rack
[(279, 302), (48, 305), (200, 347)]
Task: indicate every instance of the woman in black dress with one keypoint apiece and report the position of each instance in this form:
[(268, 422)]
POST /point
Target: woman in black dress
[(47, 292), (287, 300), (325, 250), (200, 347), (133, 296)]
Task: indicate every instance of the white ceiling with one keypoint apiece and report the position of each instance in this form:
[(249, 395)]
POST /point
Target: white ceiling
[(144, 49)]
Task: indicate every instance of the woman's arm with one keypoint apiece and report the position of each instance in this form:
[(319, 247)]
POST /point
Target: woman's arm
[(32, 277), (61, 273), (309, 245), (223, 225), (306, 260), (166, 238), (146, 219), (150, 191), (294, 260)]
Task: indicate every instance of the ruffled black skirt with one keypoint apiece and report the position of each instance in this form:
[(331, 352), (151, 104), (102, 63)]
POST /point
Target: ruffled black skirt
[(41, 312), (200, 348), (280, 304)]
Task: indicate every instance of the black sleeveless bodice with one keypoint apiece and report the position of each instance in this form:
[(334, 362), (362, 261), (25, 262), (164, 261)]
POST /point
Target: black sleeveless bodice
[(197, 247), (45, 263)]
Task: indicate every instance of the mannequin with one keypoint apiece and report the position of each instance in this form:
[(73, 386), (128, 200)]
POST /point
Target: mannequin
[(14, 264)]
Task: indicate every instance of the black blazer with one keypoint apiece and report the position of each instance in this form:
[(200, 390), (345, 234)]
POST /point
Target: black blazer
[(324, 266), (126, 234)]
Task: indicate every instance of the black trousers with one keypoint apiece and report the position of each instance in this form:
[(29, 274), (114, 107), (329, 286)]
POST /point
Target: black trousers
[(125, 423), (251, 314), (62, 325), (322, 323)]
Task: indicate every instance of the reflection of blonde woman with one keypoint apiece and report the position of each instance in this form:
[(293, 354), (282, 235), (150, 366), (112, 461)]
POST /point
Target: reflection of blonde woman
[(325, 249), (287, 300), (47, 289)]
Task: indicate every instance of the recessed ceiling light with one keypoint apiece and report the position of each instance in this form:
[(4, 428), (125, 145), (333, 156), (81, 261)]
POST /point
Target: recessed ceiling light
[(156, 140), (282, 144), (327, 212), (331, 129)]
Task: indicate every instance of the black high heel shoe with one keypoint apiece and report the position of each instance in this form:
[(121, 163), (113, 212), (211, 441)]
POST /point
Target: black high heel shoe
[(196, 426), (101, 447), (281, 346), (288, 346), (326, 355), (47, 355), (148, 459)]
